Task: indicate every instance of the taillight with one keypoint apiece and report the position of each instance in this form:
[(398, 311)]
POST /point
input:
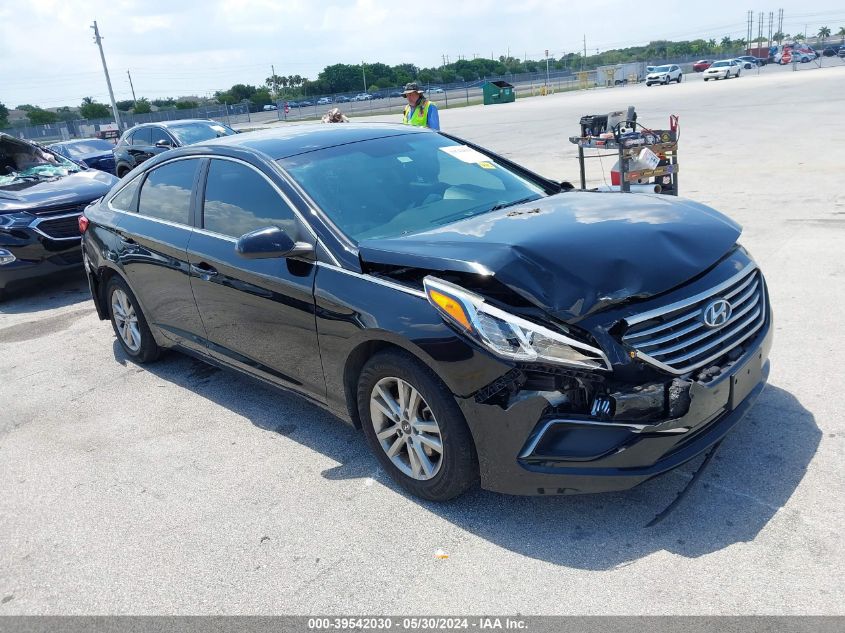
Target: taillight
[(83, 224)]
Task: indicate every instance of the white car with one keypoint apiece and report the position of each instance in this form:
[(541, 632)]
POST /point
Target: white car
[(270, 107), (664, 75), (723, 69), (364, 96), (743, 63), (324, 100)]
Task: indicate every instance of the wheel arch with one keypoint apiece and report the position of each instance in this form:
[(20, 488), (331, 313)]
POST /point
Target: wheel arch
[(363, 352)]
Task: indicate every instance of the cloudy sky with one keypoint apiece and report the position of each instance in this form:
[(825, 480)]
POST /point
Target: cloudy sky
[(188, 47)]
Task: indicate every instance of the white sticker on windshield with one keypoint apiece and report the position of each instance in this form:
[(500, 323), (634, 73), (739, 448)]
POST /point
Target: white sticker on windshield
[(404, 159), (466, 154)]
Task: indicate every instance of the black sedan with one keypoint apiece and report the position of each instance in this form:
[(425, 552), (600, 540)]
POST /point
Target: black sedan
[(42, 195), (477, 321), (92, 152), (149, 139)]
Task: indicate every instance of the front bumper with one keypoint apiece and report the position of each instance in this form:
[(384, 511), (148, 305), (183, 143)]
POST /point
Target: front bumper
[(585, 455), (36, 256)]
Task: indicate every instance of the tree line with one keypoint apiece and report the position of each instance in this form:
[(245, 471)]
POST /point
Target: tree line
[(352, 78)]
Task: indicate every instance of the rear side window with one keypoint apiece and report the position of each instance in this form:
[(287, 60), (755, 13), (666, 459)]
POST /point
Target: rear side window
[(141, 137), (166, 192), (238, 200)]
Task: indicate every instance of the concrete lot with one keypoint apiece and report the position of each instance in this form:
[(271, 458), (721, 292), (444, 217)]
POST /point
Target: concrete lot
[(179, 488)]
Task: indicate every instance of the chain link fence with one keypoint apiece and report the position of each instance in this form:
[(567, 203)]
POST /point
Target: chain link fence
[(86, 128)]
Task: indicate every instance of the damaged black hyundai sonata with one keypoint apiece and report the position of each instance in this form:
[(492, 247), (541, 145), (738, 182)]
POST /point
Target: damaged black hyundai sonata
[(479, 322)]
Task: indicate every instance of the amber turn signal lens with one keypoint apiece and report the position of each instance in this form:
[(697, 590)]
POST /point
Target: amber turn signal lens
[(450, 307)]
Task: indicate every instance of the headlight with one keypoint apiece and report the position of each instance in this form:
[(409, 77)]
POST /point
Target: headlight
[(19, 220), (508, 335)]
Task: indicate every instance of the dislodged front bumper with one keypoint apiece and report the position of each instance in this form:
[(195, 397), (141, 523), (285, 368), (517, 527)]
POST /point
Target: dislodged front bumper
[(524, 450), (36, 256)]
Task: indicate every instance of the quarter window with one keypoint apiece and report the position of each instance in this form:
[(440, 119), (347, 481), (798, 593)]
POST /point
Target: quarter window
[(125, 198), (166, 193), (239, 200)]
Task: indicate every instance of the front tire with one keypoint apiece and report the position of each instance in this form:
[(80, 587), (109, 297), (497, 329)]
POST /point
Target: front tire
[(414, 427), (129, 324)]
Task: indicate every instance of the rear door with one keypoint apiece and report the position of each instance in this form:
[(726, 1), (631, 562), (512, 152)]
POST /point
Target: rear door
[(258, 314), (153, 250)]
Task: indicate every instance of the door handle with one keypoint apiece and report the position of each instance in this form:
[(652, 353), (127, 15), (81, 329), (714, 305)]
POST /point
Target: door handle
[(203, 270)]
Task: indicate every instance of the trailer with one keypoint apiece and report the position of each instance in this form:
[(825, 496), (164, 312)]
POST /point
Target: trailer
[(620, 74)]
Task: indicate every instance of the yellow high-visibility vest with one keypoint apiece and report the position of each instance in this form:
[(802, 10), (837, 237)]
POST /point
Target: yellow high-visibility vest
[(419, 117)]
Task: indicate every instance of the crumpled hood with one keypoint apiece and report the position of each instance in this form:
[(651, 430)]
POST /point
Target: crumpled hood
[(80, 187), (574, 253)]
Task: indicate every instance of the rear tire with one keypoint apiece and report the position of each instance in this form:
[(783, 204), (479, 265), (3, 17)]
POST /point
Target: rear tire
[(406, 413), (681, 76), (129, 324)]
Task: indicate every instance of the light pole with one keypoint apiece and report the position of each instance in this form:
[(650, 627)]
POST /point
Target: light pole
[(547, 69), (364, 72)]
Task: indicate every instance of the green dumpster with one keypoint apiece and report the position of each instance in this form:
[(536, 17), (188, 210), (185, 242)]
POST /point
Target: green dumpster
[(498, 92)]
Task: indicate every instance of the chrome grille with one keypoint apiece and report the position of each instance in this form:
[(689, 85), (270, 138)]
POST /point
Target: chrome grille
[(675, 337), (61, 227), (62, 210)]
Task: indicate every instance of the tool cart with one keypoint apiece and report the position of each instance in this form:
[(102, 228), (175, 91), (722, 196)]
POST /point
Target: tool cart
[(647, 159)]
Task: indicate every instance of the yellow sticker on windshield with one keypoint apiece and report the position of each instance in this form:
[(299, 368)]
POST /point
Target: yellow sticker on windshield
[(487, 165)]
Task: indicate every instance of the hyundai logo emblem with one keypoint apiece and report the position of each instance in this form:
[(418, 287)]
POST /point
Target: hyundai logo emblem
[(716, 313)]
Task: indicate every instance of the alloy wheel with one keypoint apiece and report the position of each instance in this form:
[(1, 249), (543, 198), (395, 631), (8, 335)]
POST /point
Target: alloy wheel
[(125, 320), (406, 428)]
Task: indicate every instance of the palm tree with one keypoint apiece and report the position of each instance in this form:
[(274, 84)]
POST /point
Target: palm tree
[(778, 37), (841, 33), (726, 42), (824, 32), (711, 44), (87, 101), (799, 37)]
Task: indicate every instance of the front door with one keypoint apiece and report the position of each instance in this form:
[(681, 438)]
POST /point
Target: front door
[(258, 314)]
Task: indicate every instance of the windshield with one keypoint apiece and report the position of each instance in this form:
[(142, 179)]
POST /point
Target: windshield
[(662, 69), (21, 162), (190, 133), (719, 64), (84, 148), (405, 184)]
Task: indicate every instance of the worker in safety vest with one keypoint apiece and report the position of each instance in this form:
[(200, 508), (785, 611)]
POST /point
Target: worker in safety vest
[(420, 111)]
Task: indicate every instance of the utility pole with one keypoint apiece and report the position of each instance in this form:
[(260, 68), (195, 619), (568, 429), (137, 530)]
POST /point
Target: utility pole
[(750, 27), (132, 87), (584, 58), (759, 30), (771, 22), (780, 24), (364, 72), (98, 42)]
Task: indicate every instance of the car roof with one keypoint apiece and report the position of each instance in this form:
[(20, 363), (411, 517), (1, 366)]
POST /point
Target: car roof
[(173, 123), (282, 142)]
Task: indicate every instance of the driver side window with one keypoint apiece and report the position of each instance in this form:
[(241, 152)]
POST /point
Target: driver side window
[(238, 200), (158, 134)]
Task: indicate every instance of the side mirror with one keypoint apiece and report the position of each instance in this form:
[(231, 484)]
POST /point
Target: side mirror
[(164, 143), (271, 242)]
